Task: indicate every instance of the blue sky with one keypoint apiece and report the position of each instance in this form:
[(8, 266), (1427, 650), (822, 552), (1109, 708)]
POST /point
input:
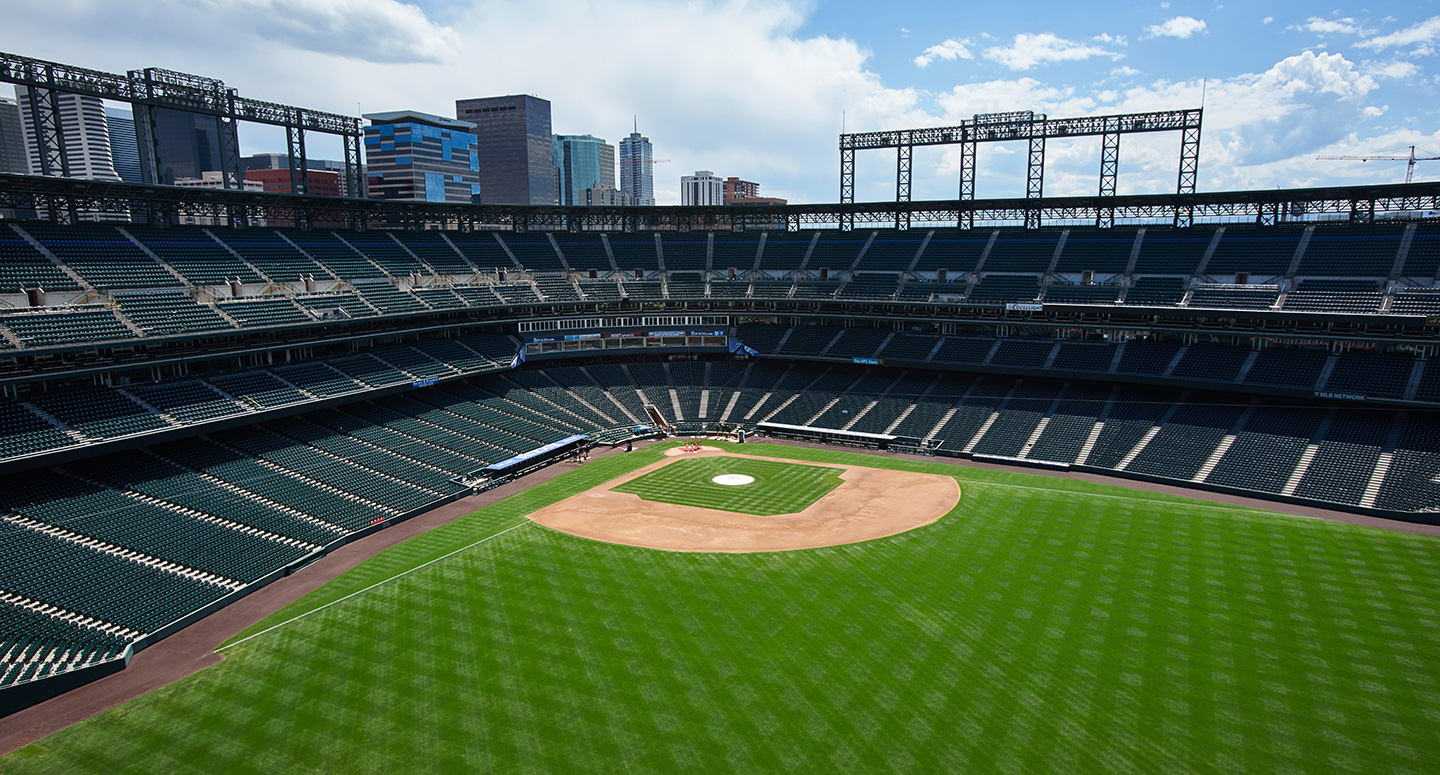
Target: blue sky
[(758, 89)]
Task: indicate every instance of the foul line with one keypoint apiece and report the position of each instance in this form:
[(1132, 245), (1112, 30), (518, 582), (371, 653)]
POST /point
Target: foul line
[(376, 584)]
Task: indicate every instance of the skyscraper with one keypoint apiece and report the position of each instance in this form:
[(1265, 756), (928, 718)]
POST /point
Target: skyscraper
[(12, 139), (86, 137), (702, 188), (517, 151), (189, 144), (637, 177), (124, 150), (582, 162), (420, 157)]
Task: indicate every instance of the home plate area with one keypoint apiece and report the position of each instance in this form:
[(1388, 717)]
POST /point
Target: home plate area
[(712, 500)]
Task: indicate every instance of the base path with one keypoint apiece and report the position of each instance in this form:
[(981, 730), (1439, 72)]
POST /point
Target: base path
[(869, 503)]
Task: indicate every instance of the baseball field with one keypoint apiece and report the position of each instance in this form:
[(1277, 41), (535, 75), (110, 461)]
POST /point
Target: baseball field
[(1041, 625)]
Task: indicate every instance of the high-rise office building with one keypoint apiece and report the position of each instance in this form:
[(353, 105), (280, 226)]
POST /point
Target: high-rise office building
[(702, 188), (84, 132), (637, 176), (189, 144), (12, 139), (421, 157), (517, 151), (582, 162), (124, 150)]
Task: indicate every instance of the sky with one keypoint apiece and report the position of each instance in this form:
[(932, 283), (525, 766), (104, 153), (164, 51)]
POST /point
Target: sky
[(761, 90)]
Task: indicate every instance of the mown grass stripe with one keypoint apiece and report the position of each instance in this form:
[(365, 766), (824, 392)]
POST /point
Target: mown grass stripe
[(1030, 630), (402, 574)]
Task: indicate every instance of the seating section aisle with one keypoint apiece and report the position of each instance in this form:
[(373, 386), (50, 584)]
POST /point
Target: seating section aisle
[(195, 255), (102, 256)]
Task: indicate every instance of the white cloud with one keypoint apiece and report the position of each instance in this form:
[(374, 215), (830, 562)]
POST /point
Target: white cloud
[(1319, 26), (1415, 35), (1178, 27), (950, 50), (1373, 111), (1395, 70), (1106, 37), (1029, 50), (737, 119), (1267, 20), (1125, 70), (1261, 129), (369, 30)]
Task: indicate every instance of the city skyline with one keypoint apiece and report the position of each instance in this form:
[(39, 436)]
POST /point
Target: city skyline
[(1281, 82)]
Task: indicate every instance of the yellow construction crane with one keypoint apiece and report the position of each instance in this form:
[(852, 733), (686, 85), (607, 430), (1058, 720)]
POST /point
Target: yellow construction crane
[(1409, 168)]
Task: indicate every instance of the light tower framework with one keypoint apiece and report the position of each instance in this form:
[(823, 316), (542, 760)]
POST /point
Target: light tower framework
[(151, 89), (1035, 129)]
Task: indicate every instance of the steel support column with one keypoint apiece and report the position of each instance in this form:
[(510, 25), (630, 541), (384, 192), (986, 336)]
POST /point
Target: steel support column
[(354, 170), (967, 180), (1035, 176), (847, 183), (295, 155), (1109, 171), (295, 151), (1189, 168), (49, 138), (229, 141), (903, 154)]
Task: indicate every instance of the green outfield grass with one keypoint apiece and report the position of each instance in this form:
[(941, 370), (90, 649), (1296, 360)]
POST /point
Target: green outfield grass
[(779, 488), (1045, 625)]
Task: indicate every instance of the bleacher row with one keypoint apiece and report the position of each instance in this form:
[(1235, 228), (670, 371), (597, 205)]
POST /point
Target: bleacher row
[(96, 554), (1354, 372), (1343, 455), (42, 422), (145, 537), (142, 281)]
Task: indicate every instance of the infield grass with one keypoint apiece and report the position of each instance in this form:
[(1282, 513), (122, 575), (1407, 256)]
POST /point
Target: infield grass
[(779, 488), (1045, 625)]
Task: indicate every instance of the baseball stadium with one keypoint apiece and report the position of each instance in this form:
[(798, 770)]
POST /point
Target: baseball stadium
[(1116, 483)]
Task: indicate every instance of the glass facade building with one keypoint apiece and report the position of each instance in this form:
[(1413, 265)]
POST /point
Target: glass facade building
[(12, 140), (582, 162), (188, 144), (124, 149), (517, 152), (421, 157), (637, 174)]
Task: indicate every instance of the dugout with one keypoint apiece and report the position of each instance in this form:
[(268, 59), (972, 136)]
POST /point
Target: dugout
[(826, 435)]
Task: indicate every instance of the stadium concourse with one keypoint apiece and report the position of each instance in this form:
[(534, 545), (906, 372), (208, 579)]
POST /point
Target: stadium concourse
[(190, 413)]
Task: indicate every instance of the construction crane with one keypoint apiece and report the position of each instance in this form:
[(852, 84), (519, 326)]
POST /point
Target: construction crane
[(1409, 168), (642, 161)]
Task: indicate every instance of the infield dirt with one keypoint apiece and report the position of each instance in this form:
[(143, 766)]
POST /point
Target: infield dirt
[(870, 503)]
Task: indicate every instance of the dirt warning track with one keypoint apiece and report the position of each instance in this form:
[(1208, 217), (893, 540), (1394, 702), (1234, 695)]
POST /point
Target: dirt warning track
[(870, 503)]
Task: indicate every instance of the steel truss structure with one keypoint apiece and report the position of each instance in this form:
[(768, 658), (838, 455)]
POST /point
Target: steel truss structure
[(1025, 125), (152, 89), (163, 205)]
